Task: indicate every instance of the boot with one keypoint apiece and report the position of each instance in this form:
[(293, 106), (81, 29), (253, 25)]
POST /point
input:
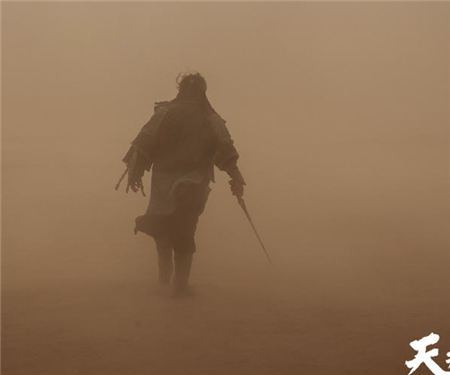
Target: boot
[(165, 264), (183, 262)]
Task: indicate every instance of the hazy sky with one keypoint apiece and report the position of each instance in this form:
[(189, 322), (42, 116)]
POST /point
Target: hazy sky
[(339, 111)]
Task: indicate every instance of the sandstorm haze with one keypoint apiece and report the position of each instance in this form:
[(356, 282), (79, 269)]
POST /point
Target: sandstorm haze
[(340, 114)]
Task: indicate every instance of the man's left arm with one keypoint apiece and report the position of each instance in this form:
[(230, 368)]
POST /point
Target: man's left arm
[(139, 157), (227, 156)]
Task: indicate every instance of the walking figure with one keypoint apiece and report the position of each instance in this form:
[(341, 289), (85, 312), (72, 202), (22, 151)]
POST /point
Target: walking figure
[(182, 142)]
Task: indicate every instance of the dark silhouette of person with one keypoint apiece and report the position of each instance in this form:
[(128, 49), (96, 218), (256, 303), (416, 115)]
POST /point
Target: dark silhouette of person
[(182, 142)]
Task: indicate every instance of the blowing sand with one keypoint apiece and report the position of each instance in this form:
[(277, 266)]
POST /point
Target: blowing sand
[(340, 114)]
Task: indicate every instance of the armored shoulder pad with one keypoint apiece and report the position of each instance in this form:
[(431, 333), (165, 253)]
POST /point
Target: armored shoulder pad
[(152, 126), (215, 119), (218, 125), (161, 106)]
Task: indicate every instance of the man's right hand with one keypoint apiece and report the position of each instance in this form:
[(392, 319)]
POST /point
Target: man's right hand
[(135, 186), (237, 188), (135, 173)]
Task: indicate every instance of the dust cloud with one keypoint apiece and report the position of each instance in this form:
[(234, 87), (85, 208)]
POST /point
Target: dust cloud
[(340, 115)]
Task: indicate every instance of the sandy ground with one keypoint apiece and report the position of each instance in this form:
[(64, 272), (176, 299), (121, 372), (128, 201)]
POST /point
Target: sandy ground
[(131, 327), (80, 296)]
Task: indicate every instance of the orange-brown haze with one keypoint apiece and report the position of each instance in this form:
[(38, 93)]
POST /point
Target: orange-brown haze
[(340, 115)]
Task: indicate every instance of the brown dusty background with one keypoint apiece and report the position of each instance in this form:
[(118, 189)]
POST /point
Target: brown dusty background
[(340, 113)]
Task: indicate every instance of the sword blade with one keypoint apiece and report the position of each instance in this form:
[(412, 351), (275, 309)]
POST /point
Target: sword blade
[(121, 178), (249, 218)]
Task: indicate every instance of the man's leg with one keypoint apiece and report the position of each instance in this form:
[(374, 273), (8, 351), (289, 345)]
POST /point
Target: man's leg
[(184, 248), (165, 262), (190, 203), (183, 262)]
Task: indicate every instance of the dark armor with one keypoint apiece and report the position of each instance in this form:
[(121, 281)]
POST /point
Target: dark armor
[(182, 142)]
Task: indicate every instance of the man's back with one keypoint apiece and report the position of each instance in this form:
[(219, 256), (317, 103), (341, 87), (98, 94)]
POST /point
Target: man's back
[(182, 142), (185, 140)]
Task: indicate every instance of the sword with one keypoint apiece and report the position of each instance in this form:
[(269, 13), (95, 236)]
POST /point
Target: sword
[(244, 208), (121, 178)]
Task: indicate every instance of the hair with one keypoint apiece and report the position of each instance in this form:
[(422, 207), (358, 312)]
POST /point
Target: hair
[(193, 86)]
